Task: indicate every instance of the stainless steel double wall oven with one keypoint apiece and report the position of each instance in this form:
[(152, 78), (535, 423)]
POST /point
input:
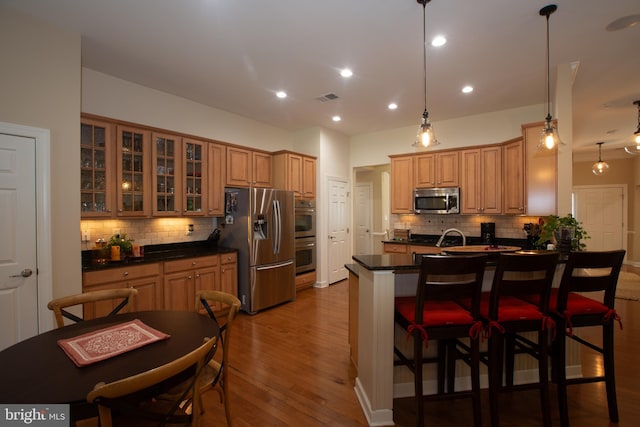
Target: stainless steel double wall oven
[(305, 235)]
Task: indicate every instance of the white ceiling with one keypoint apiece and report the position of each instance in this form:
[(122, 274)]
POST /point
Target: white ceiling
[(234, 55)]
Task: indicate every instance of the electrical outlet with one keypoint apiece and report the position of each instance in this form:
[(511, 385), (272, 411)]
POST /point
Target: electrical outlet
[(86, 236)]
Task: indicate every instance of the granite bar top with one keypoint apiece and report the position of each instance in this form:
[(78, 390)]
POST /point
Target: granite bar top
[(409, 262), (455, 240), (157, 253), (387, 262)]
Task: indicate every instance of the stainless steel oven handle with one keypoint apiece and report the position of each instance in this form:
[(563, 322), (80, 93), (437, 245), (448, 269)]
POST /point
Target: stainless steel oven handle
[(305, 245)]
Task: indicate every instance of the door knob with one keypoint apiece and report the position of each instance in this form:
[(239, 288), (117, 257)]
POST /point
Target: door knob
[(24, 273)]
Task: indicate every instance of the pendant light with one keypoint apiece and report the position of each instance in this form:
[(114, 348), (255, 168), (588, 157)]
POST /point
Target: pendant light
[(600, 167), (425, 137), (549, 138), (635, 148)]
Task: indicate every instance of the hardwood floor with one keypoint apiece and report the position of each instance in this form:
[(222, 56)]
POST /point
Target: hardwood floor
[(290, 367)]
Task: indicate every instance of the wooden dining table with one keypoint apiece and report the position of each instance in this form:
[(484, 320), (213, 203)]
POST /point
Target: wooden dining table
[(37, 370)]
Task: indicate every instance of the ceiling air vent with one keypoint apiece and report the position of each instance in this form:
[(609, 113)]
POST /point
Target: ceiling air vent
[(327, 97)]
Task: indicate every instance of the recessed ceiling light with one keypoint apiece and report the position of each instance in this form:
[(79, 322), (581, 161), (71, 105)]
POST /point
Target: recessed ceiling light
[(467, 89), (345, 72), (336, 118), (392, 106), (438, 41), (281, 94)]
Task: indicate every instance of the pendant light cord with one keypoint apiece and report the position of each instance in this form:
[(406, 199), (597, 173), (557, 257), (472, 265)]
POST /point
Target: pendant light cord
[(548, 75), (424, 56)]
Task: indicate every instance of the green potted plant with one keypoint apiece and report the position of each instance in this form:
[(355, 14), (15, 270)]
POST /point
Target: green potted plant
[(553, 227), (121, 240)]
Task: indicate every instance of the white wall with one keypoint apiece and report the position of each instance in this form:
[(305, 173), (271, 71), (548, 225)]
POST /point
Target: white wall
[(40, 87), (490, 128), (115, 98)]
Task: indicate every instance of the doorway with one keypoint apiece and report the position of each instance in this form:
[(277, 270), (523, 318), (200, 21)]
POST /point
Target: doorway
[(25, 256), (338, 227), (602, 211)]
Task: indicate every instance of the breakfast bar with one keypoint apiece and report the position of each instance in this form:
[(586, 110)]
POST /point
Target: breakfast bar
[(380, 279)]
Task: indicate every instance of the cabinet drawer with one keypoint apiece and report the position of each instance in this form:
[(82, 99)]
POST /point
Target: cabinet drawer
[(395, 248), (118, 274), (191, 263), (230, 258)]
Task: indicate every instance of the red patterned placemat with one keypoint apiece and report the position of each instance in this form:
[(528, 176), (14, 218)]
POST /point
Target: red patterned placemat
[(104, 343)]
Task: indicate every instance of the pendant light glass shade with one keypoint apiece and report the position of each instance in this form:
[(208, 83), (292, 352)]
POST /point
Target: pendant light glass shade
[(600, 167), (549, 138), (426, 136), (635, 148)]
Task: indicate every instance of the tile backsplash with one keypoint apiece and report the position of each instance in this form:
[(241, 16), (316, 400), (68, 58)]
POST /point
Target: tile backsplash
[(147, 231), (511, 227)]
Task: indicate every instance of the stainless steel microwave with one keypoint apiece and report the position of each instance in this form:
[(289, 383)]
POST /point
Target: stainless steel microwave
[(436, 200)]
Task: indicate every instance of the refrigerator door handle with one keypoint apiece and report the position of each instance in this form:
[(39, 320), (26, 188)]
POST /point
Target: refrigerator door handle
[(277, 224), (269, 267)]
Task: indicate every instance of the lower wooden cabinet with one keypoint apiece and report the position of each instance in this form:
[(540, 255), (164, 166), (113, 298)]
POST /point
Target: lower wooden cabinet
[(305, 280), (169, 285), (147, 279), (395, 248), (183, 277)]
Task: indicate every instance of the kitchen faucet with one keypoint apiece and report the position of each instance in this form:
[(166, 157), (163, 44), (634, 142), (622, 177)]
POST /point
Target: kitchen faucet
[(447, 231)]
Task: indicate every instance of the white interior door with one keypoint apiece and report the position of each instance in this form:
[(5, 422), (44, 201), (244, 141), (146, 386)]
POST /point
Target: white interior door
[(338, 228), (601, 210), (18, 262), (363, 219)]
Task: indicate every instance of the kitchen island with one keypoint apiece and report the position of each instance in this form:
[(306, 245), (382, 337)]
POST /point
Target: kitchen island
[(380, 279)]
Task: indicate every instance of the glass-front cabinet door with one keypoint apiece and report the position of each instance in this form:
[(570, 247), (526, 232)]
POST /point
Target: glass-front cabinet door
[(167, 171), (133, 178), (194, 174), (96, 169)]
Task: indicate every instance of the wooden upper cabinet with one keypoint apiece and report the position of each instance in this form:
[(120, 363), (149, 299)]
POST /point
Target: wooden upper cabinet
[(402, 181), (97, 169), (541, 176), (309, 177), (513, 177), (295, 172), (481, 186), (166, 174), (247, 168), (133, 178), (216, 172), (447, 169), (437, 169), (262, 169), (425, 170), (194, 177)]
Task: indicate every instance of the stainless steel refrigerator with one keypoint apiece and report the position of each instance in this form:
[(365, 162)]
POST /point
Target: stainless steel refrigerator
[(259, 222)]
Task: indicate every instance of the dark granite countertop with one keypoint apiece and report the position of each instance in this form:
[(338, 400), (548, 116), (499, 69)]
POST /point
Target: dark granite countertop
[(387, 262), (408, 262), (157, 253), (456, 240)]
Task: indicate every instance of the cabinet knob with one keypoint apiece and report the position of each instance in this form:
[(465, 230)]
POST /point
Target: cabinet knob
[(193, 262), (188, 277), (126, 273)]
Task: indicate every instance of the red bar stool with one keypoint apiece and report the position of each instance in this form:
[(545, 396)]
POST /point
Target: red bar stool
[(507, 315), (433, 314), (586, 272)]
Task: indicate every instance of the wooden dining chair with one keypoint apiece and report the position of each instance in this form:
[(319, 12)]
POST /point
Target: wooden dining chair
[(130, 401), (508, 316), (223, 308), (125, 296), (434, 314), (589, 273)]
